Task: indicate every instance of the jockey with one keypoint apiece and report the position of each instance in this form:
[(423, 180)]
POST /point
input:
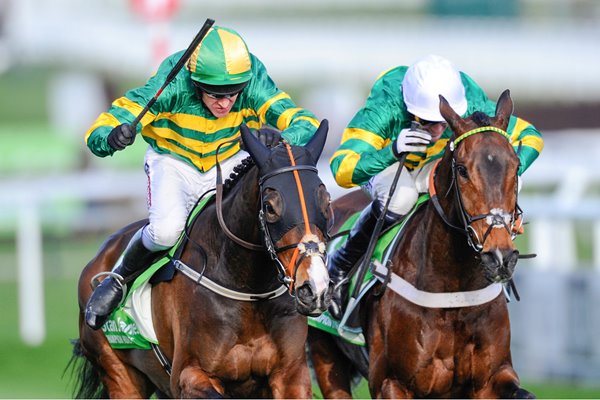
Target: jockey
[(221, 87), (381, 131)]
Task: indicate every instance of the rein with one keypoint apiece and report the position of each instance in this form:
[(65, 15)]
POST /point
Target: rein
[(495, 218), (309, 245)]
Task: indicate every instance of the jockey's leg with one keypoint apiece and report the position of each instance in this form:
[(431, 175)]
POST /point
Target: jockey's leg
[(112, 290), (378, 188), (344, 259)]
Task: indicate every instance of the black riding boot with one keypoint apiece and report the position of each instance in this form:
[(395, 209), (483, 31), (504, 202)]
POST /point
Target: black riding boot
[(112, 290), (344, 259)]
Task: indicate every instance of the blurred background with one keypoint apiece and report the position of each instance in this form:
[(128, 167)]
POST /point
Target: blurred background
[(63, 61)]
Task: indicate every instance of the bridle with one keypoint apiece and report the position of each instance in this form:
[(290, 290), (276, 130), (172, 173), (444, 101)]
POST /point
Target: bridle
[(496, 218), (310, 245)]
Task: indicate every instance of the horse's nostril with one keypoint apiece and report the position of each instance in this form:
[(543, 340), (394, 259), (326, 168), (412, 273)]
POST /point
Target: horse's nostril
[(511, 260), (489, 260), (304, 291)]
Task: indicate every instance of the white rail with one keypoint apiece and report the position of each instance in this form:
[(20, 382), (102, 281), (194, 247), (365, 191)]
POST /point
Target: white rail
[(552, 216)]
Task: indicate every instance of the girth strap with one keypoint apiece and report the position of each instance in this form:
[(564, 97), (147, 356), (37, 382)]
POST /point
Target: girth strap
[(162, 359), (223, 291), (436, 300)]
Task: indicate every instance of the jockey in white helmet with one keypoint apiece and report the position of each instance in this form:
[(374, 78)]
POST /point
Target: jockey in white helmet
[(401, 115)]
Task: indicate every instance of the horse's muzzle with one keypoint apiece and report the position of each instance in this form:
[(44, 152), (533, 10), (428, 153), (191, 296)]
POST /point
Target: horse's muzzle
[(311, 303), (499, 265)]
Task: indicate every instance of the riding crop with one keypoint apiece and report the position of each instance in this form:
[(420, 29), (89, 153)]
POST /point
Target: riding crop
[(184, 58), (362, 269)]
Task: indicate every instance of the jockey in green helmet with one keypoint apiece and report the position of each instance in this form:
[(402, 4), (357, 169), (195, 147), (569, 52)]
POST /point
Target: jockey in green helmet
[(222, 87)]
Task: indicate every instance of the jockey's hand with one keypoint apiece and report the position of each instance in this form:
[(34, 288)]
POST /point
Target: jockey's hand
[(121, 136), (268, 136), (411, 140)]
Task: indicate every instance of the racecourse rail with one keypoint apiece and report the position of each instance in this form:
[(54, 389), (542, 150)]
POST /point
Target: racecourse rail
[(559, 193)]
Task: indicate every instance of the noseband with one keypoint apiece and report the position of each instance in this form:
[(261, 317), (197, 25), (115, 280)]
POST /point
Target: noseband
[(310, 245), (495, 218)]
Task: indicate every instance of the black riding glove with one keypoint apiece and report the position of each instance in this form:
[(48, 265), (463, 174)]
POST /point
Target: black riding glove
[(268, 136), (121, 136)]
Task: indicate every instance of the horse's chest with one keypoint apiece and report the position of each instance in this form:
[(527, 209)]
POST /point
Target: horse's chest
[(254, 357), (448, 350)]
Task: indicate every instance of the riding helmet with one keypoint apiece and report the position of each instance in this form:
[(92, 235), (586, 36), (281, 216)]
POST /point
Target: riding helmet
[(221, 63), (425, 80)]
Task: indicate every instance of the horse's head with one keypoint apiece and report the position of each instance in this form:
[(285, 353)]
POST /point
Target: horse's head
[(483, 178), (294, 214)]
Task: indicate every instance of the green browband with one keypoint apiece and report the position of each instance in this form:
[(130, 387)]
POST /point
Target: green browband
[(478, 130)]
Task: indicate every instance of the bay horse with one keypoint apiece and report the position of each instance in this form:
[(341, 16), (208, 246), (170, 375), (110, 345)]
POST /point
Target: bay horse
[(448, 335), (266, 254)]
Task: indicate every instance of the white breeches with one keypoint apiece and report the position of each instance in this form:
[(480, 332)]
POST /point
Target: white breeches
[(409, 186), (174, 187)]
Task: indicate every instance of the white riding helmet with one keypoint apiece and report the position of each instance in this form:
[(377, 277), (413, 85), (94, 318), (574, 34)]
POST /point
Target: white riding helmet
[(425, 80)]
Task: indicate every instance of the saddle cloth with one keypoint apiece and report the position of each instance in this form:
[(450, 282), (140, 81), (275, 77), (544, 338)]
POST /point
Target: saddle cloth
[(349, 328), (130, 326)]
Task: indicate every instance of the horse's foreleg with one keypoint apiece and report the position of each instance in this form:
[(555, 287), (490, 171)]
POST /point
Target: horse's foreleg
[(391, 389), (380, 384), (504, 385), (332, 369), (291, 381), (194, 383)]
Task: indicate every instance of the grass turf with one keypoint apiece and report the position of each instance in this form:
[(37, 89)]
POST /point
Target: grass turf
[(37, 372)]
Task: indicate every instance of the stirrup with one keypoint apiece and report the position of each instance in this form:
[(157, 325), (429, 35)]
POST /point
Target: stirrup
[(94, 282)]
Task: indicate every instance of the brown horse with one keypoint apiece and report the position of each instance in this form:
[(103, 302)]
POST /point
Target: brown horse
[(246, 338), (448, 335)]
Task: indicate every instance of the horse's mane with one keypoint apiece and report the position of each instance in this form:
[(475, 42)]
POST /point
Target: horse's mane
[(238, 172)]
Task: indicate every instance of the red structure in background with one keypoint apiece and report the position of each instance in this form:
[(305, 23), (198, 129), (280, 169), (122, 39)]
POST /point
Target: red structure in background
[(157, 13)]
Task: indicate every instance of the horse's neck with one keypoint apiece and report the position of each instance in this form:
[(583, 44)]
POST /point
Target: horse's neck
[(248, 268), (439, 258)]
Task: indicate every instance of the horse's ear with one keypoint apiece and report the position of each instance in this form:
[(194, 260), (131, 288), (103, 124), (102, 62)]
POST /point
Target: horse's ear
[(504, 109), (317, 142), (454, 120), (259, 152)]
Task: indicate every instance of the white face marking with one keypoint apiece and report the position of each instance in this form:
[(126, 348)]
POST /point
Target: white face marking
[(318, 273), (498, 212), (498, 256)]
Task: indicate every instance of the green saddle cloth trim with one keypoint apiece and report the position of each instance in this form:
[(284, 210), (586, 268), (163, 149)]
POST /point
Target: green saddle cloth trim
[(325, 321), (121, 329), (384, 241)]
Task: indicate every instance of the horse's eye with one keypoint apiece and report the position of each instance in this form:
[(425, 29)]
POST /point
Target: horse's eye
[(462, 171), (273, 206), (271, 214), (269, 209)]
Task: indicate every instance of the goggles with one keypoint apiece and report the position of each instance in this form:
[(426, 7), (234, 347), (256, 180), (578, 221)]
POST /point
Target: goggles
[(427, 124), (215, 96)]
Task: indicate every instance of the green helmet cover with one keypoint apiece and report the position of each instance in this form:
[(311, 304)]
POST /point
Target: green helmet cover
[(221, 58)]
